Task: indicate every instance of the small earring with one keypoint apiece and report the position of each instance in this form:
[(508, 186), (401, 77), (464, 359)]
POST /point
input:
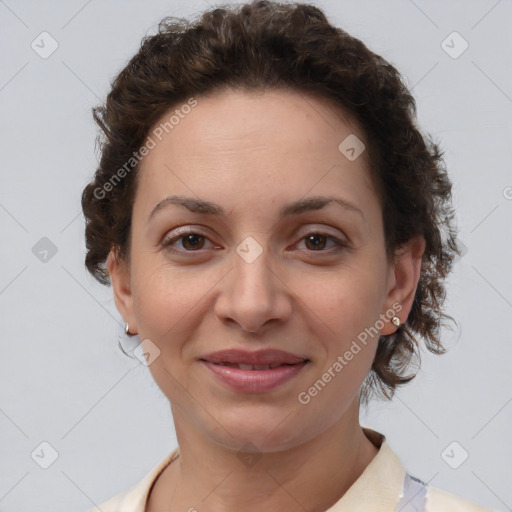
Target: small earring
[(127, 330), (396, 321), (127, 342)]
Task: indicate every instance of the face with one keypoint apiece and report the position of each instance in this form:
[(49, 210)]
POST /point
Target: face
[(311, 282)]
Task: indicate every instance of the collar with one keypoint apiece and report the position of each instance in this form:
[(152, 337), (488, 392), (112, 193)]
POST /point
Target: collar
[(378, 489), (380, 486)]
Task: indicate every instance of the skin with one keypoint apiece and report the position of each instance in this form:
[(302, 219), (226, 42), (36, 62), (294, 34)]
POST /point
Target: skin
[(252, 154)]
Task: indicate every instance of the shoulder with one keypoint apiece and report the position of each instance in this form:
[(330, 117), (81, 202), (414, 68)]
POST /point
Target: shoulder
[(134, 498), (129, 500), (437, 500), (113, 504)]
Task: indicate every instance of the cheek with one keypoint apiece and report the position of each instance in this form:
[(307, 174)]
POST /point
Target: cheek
[(348, 351), (346, 302), (167, 302), (346, 308), (169, 308)]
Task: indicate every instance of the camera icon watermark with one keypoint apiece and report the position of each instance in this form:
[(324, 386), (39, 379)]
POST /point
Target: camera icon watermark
[(351, 147), (44, 249), (463, 251), (454, 455), (44, 455), (249, 455), (44, 45), (249, 249), (147, 352), (454, 45)]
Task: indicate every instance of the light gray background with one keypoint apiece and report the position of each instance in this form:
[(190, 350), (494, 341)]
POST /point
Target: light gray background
[(64, 380)]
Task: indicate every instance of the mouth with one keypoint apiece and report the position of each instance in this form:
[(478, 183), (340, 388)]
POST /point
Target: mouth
[(254, 367), (254, 372), (256, 360)]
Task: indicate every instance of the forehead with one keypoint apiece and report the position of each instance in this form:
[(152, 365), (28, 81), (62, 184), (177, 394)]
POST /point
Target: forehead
[(227, 118), (281, 140)]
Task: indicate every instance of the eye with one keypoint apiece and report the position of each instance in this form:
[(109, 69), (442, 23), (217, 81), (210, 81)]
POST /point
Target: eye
[(194, 241), (191, 241), (317, 240)]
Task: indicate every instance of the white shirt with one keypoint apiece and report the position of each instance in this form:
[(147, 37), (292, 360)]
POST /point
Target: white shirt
[(379, 488)]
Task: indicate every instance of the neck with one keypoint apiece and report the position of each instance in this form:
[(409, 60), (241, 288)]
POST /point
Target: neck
[(313, 476)]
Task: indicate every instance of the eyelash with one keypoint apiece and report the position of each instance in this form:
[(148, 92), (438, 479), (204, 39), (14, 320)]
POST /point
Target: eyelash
[(167, 242)]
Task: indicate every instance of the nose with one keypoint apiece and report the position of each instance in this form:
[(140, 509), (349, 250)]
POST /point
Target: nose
[(253, 295)]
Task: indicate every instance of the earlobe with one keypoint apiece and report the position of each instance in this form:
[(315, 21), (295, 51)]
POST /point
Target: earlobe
[(121, 287), (406, 274)]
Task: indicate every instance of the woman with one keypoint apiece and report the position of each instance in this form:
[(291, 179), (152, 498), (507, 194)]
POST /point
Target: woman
[(277, 232)]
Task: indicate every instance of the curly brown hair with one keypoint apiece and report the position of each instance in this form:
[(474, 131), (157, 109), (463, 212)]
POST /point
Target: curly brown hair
[(264, 45)]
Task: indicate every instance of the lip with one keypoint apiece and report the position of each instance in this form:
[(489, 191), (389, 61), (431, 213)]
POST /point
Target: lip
[(254, 381), (265, 356)]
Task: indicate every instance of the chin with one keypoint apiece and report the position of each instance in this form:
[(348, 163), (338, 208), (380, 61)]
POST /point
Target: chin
[(268, 432)]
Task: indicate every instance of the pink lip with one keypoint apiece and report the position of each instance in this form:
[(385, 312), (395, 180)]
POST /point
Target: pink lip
[(254, 381), (266, 356)]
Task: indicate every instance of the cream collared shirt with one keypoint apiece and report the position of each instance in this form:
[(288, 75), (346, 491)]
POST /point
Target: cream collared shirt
[(378, 489)]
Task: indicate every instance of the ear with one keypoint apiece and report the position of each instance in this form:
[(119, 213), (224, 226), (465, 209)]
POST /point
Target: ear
[(403, 278), (119, 273)]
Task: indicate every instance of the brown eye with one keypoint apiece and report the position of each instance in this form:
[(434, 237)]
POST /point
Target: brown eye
[(191, 241), (316, 242)]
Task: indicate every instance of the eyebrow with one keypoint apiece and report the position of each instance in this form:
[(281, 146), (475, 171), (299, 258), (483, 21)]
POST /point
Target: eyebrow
[(201, 206)]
